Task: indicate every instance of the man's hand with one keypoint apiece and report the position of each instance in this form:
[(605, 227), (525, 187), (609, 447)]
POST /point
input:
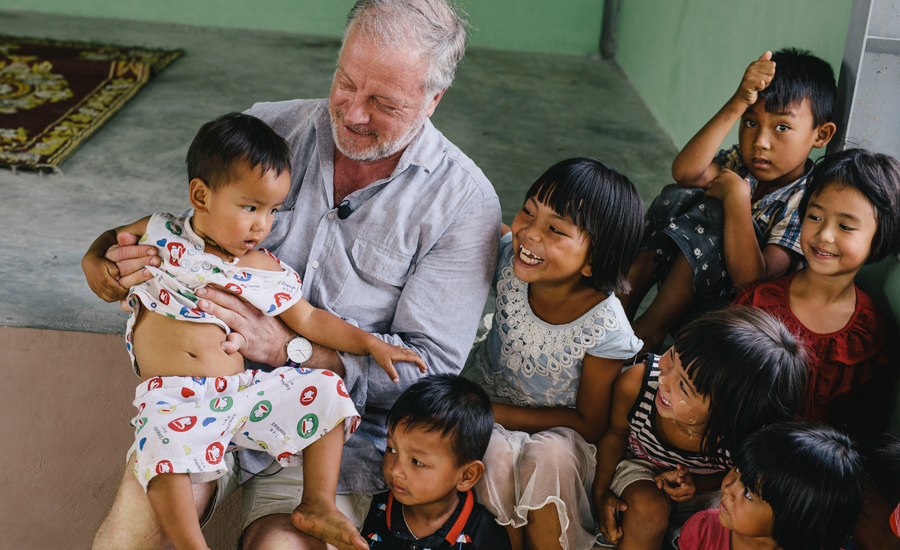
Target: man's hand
[(258, 337), (757, 76), (386, 355), (728, 187), (111, 270), (607, 506), (678, 484)]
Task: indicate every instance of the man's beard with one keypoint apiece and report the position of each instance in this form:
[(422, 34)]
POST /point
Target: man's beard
[(381, 148)]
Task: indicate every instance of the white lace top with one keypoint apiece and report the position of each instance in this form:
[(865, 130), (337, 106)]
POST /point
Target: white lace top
[(529, 362)]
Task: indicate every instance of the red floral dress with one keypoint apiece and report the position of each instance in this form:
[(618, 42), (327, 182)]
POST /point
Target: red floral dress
[(852, 372)]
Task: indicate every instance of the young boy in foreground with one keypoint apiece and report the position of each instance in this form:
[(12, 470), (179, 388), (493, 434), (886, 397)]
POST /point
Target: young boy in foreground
[(732, 218), (196, 402), (438, 431)]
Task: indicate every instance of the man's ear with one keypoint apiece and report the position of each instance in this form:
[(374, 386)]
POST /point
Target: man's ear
[(433, 102), (471, 475), (824, 134), (198, 194)]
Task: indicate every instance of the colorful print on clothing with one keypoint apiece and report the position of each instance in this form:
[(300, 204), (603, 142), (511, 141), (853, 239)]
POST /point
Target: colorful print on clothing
[(186, 268), (187, 424)]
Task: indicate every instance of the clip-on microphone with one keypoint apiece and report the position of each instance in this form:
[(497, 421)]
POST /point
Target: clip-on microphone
[(344, 209)]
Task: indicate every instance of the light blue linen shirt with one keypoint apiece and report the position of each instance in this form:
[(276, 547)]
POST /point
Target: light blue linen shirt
[(412, 264)]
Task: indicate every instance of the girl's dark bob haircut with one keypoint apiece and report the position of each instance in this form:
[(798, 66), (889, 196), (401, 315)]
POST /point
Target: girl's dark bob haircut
[(810, 476), (874, 175), (751, 367), (604, 204), (881, 462)]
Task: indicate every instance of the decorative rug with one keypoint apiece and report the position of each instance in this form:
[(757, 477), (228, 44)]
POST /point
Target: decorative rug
[(54, 95)]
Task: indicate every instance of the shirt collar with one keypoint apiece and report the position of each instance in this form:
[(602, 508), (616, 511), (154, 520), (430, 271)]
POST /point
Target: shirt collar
[(450, 531), (784, 194)]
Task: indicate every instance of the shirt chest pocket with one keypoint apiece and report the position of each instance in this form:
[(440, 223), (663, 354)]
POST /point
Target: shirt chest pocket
[(381, 263)]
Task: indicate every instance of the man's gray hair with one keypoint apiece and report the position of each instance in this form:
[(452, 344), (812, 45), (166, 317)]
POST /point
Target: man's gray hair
[(438, 27)]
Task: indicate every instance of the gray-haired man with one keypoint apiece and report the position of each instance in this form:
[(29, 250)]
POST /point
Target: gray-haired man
[(408, 256)]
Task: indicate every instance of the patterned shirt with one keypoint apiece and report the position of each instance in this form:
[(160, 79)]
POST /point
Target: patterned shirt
[(776, 214)]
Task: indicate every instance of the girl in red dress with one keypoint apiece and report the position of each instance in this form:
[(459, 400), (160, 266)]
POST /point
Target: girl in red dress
[(851, 216)]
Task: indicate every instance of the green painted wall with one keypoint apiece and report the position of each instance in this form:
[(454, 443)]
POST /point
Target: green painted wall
[(687, 57), (562, 26)]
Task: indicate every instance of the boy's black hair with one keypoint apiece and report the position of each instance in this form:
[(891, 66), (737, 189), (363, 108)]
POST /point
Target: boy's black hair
[(604, 204), (874, 175), (881, 463), (751, 367), (232, 138), (800, 75), (810, 476), (452, 405)]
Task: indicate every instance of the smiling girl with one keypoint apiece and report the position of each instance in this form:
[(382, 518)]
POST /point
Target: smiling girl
[(677, 418), (851, 217), (558, 341)]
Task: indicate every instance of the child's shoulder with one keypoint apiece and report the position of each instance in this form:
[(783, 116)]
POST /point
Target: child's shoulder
[(260, 259)]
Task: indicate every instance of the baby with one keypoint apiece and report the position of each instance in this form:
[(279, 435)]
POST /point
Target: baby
[(195, 401)]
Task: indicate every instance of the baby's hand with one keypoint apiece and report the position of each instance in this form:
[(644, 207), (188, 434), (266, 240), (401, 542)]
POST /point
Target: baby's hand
[(607, 506), (757, 76), (387, 355), (678, 484)]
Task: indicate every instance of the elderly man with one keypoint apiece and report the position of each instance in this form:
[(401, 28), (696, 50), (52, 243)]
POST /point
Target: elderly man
[(394, 229)]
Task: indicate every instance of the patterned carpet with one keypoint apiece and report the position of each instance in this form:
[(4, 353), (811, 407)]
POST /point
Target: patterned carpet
[(54, 95)]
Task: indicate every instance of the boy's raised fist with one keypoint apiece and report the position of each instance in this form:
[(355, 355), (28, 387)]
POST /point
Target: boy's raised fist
[(756, 78)]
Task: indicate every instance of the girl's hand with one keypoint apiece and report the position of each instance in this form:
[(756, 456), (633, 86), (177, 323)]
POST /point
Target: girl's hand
[(678, 484), (386, 354), (607, 506), (757, 76)]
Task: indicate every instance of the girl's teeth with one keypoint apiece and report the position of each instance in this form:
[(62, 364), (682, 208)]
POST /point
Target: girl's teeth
[(528, 257)]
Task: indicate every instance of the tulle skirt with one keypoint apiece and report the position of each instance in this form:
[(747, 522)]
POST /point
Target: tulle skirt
[(526, 472)]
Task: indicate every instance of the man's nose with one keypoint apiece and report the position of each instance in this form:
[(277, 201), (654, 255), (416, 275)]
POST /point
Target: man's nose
[(356, 110)]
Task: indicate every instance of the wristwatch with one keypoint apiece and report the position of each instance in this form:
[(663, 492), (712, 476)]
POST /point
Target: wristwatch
[(299, 350)]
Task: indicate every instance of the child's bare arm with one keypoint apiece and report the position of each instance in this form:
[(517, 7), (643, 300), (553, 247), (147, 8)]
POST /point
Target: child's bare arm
[(611, 449), (172, 499), (331, 331), (694, 166), (106, 278), (590, 415), (744, 261)]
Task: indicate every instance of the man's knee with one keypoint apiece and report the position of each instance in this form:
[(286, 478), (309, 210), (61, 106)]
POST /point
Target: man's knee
[(276, 531)]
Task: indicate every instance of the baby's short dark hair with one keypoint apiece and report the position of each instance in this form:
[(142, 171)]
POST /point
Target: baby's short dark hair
[(604, 204), (810, 476), (874, 175), (456, 407), (230, 139), (800, 75)]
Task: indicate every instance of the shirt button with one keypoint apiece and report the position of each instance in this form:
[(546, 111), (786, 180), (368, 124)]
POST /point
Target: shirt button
[(185, 264), (199, 246), (192, 251), (207, 265), (315, 265), (331, 215), (195, 269)]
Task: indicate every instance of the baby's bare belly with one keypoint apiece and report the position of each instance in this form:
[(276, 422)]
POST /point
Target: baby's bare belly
[(168, 347)]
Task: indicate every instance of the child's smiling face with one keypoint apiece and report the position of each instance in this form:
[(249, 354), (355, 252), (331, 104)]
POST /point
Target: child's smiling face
[(676, 398), (548, 247), (775, 146), (743, 512), (837, 231), (239, 215)]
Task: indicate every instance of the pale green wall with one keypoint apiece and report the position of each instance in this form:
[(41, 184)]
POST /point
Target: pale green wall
[(686, 57), (561, 26)]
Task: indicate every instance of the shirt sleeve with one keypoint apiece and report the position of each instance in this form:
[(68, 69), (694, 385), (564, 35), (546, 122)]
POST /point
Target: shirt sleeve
[(619, 341), (693, 534), (439, 307), (729, 158), (786, 231)]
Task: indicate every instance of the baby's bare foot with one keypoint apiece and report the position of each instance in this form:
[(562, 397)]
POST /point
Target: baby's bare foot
[(325, 522)]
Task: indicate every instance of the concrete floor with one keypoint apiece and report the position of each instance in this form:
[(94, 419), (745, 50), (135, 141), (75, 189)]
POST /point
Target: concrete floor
[(514, 113)]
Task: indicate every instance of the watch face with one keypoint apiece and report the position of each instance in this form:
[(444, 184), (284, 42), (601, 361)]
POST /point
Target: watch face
[(299, 350)]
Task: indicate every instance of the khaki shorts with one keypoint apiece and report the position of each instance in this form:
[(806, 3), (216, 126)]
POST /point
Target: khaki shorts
[(277, 492)]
